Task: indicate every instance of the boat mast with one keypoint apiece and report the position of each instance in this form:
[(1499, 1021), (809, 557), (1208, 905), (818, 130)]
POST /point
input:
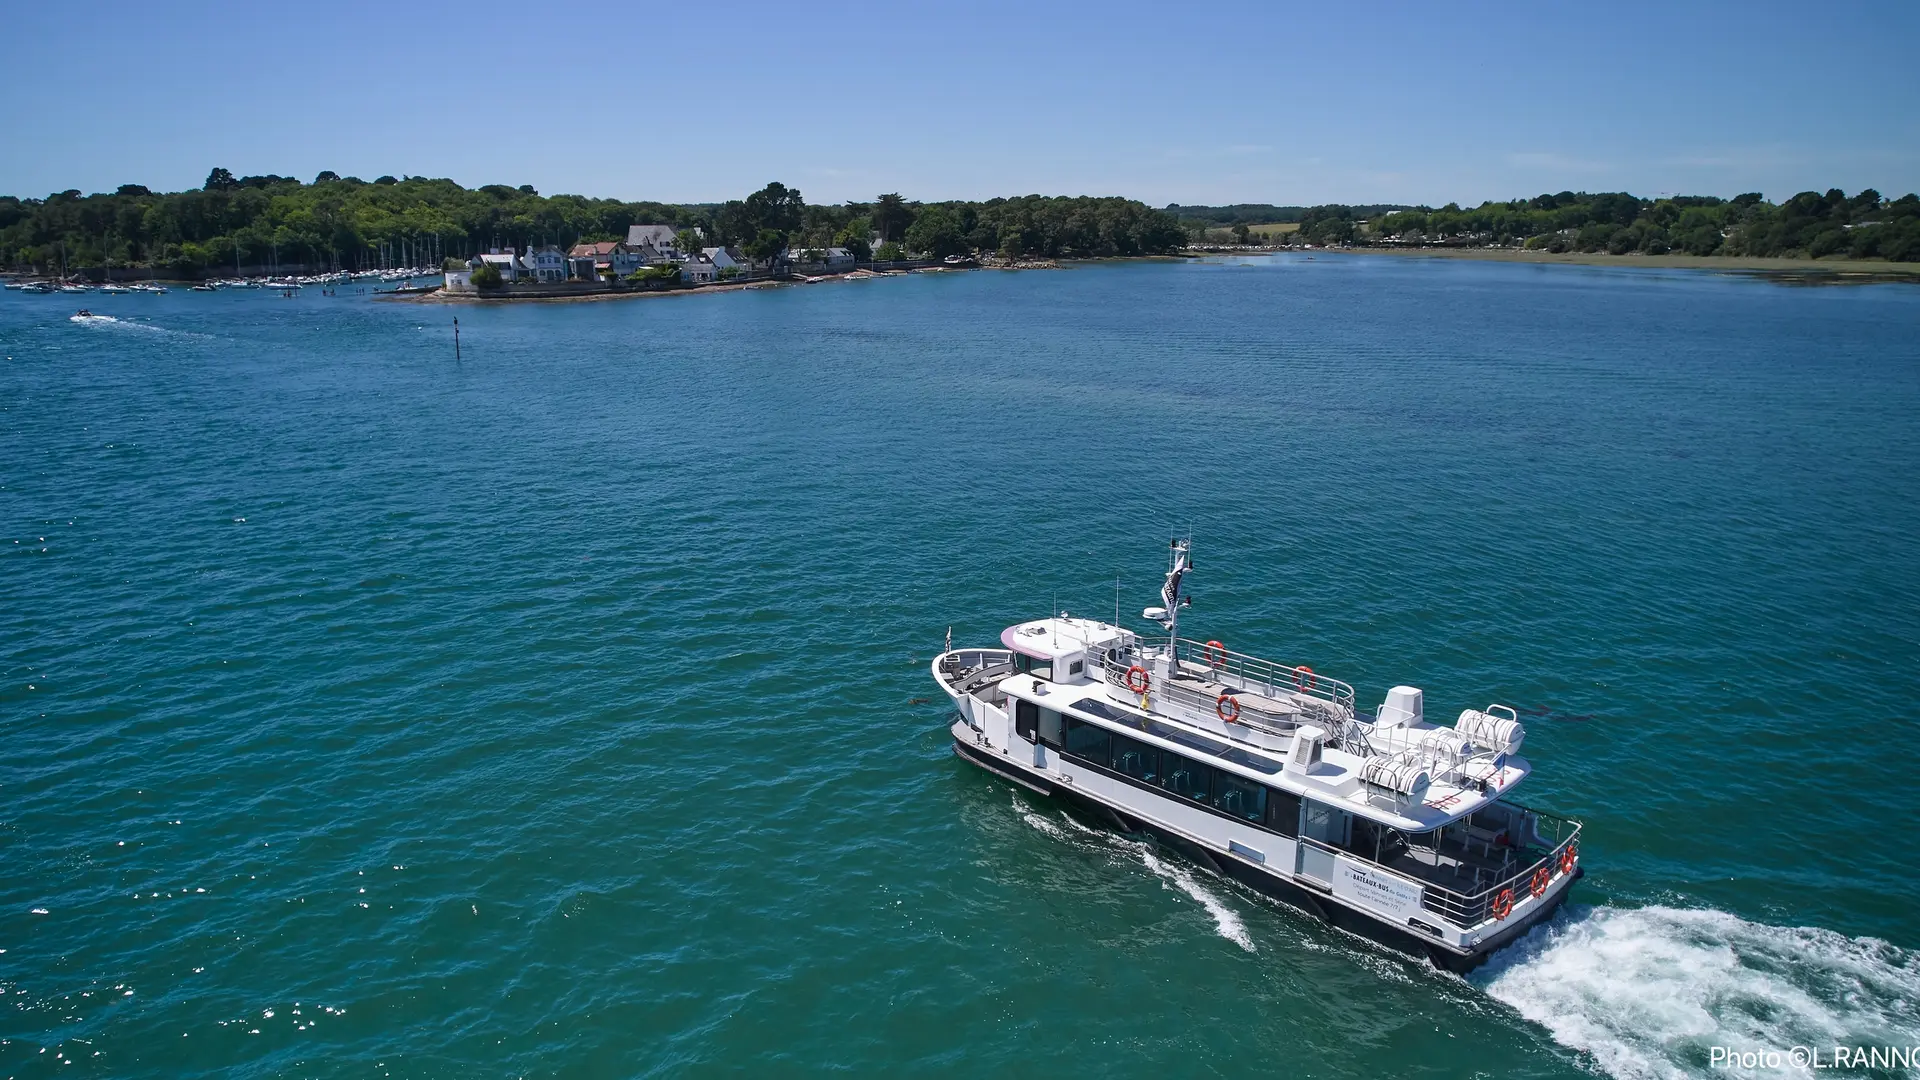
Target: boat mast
[(1177, 565)]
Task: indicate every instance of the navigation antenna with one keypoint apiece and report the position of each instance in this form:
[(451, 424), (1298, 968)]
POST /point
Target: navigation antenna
[(1168, 615)]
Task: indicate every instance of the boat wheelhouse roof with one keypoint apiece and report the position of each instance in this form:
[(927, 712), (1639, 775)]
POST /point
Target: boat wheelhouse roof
[(1062, 637)]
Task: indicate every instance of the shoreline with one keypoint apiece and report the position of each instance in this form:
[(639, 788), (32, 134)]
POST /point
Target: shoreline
[(442, 296), (1863, 270)]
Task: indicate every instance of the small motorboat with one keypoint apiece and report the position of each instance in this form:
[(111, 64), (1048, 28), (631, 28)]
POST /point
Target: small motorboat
[(83, 313), (205, 287)]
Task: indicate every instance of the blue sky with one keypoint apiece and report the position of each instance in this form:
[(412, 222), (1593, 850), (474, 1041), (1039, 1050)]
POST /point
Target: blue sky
[(1166, 103)]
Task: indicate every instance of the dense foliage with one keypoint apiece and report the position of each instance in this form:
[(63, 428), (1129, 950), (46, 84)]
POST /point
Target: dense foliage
[(1037, 225), (1863, 226), (1211, 217), (348, 222), (333, 221)]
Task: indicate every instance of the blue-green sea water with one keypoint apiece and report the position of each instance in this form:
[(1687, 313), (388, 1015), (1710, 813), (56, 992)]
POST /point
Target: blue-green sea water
[(563, 710)]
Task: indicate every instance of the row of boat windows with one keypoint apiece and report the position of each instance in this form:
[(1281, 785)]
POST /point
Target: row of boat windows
[(1195, 781), (1043, 669)]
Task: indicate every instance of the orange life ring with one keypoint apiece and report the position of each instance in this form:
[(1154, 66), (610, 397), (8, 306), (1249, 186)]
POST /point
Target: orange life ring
[(1569, 857), (1503, 904), (1538, 886), (1228, 707), (1212, 647), (1303, 678), (1146, 680)]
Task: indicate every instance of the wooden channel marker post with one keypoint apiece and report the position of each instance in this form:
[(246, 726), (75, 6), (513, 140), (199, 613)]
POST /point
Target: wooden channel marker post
[(456, 338)]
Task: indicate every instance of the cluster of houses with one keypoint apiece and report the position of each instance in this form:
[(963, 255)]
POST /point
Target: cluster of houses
[(645, 245)]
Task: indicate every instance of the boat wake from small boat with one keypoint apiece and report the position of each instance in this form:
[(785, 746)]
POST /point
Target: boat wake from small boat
[(1392, 827)]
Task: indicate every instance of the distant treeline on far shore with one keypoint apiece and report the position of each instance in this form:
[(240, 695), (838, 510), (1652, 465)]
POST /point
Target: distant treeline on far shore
[(1808, 225), (347, 223)]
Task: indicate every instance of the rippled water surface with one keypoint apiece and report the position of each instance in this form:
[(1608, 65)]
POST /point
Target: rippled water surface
[(563, 710)]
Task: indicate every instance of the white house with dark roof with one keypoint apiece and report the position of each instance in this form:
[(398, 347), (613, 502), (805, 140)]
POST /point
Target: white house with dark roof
[(698, 270), (504, 261), (726, 258), (657, 243)]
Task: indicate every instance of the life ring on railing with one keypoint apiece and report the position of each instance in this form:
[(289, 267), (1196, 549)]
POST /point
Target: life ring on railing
[(1303, 678), (1538, 886), (1146, 680), (1503, 904), (1569, 857), (1212, 647), (1228, 707)]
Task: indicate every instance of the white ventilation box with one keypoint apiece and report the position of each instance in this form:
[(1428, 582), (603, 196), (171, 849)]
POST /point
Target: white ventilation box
[(1308, 741), (1404, 707)]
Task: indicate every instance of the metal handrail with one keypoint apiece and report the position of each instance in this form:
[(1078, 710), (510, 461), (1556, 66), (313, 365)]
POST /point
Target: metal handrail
[(1277, 678), (1468, 910), (1252, 716), (1328, 709)]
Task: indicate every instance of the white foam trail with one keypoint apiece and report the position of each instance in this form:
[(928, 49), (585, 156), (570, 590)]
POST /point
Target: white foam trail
[(1648, 992), (1224, 919), (1037, 821), (92, 319)]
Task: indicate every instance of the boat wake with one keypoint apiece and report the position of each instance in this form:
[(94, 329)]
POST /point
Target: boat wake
[(1226, 921), (1649, 992), (119, 325)]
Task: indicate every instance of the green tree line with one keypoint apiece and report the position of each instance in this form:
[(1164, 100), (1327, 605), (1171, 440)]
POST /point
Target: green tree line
[(348, 222), (1197, 218), (1810, 225)]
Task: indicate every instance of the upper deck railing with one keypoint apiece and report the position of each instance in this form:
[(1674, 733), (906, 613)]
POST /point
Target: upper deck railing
[(1493, 902), (1277, 698), (1265, 676)]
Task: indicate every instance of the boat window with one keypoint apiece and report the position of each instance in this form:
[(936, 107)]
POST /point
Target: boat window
[(1050, 727), (1027, 665), (1026, 720), (1101, 708), (1283, 812), (1243, 799), (1089, 742), (1187, 779), (1326, 824), (1136, 759)]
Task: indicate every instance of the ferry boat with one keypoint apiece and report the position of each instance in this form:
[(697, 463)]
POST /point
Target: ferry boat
[(1391, 827)]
